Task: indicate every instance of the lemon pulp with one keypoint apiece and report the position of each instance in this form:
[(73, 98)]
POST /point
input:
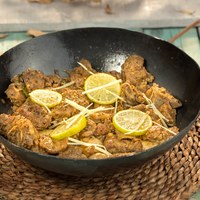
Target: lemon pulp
[(62, 131), (134, 122), (46, 97), (102, 94)]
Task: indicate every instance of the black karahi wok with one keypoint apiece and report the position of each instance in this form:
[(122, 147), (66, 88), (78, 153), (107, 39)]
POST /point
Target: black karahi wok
[(107, 49)]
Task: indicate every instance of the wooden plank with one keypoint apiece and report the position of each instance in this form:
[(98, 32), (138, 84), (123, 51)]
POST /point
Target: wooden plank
[(164, 34), (12, 40), (189, 42), (191, 45), (20, 15), (196, 196)]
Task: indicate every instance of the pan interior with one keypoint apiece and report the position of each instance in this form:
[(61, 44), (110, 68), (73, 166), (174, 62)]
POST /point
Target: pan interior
[(106, 49)]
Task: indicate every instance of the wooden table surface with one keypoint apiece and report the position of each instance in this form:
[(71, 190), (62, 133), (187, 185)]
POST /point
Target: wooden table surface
[(19, 15), (189, 43)]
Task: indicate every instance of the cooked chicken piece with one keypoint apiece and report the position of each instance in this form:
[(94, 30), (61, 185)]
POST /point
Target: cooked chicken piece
[(114, 145), (16, 79), (160, 95), (33, 79), (158, 134), (15, 94), (164, 102), (89, 151), (79, 74), (121, 136), (101, 117), (65, 110), (135, 73), (103, 128), (149, 111), (131, 94), (37, 114), (103, 123), (53, 80), (49, 145), (116, 74), (74, 152), (89, 129), (75, 95), (19, 130), (169, 113)]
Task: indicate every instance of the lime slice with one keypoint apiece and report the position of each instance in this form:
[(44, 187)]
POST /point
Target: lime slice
[(62, 131), (46, 97), (102, 88), (132, 122)]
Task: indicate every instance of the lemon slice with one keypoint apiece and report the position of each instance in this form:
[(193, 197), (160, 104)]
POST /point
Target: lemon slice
[(62, 131), (132, 122), (102, 88), (46, 97)]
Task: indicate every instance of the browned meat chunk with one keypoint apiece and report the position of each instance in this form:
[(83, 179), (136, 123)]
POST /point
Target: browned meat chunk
[(75, 152), (15, 94), (103, 123), (37, 114), (101, 117), (79, 74), (131, 94), (89, 130), (33, 79), (53, 81), (160, 95), (19, 130), (51, 146), (102, 129), (169, 113), (90, 150), (114, 145), (76, 95), (135, 73), (63, 109), (149, 111), (164, 102), (116, 74), (158, 134)]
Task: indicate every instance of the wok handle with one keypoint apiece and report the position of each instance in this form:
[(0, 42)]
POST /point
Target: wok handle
[(187, 28)]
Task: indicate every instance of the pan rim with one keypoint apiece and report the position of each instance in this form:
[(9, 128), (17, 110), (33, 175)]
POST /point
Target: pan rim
[(181, 134)]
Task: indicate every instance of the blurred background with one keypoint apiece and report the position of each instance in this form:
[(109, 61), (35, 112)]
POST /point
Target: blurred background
[(18, 15)]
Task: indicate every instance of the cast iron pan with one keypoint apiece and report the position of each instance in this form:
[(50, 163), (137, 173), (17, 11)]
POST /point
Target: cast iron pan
[(107, 49)]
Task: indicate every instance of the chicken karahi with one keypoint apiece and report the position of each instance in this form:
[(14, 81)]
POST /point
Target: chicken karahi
[(89, 114)]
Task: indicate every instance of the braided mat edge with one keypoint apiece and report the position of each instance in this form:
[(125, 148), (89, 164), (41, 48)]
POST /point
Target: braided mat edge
[(175, 175)]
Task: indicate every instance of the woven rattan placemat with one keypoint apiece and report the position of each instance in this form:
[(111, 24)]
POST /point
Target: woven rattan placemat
[(175, 175)]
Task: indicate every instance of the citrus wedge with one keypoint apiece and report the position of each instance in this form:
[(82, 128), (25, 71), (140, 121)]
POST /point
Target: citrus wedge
[(102, 88), (132, 122), (62, 131), (46, 97)]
